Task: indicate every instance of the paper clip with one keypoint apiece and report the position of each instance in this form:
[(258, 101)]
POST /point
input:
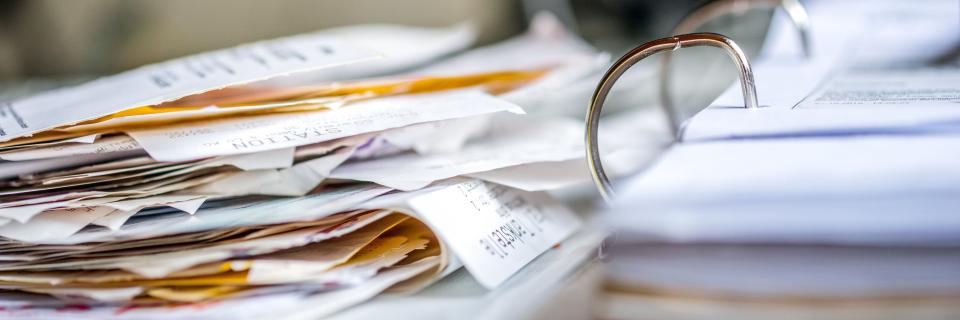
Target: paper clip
[(639, 53), (697, 18)]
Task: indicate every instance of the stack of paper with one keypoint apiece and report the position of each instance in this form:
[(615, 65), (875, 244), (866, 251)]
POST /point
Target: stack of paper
[(187, 189), (837, 198)]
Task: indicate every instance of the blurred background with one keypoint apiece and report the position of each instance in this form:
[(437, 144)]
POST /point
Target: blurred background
[(48, 43), (54, 38)]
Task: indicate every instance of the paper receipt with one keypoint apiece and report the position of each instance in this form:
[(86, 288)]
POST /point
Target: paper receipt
[(495, 230)]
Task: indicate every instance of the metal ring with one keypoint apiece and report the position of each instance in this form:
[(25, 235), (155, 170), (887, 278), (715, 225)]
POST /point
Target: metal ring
[(634, 56), (793, 8)]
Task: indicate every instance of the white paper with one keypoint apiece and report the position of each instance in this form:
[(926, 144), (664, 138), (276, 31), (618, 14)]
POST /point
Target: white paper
[(53, 225), (852, 52), (90, 138), (127, 208), (140, 203), (627, 141), (232, 136), (14, 169), (512, 142), (543, 176), (493, 229), (438, 136), (115, 219), (570, 58), (98, 294), (904, 86), (270, 159), (547, 37), (294, 181), (103, 145), (917, 100), (166, 81), (23, 214), (871, 190), (310, 207), (403, 47), (755, 273)]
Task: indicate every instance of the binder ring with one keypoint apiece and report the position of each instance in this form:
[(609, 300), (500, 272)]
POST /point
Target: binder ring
[(793, 8), (639, 53)]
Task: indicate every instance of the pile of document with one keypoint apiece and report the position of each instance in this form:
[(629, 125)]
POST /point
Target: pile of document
[(837, 199), (210, 187)]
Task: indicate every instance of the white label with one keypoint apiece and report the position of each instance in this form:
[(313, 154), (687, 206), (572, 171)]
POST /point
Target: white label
[(495, 230), (166, 81)]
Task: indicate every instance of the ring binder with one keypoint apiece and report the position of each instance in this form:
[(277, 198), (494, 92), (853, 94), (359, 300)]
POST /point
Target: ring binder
[(639, 53), (793, 8)]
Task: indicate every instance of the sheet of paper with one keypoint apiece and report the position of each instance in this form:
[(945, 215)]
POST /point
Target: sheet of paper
[(904, 86), (543, 176), (166, 81), (628, 141), (493, 229), (862, 28), (438, 136), (14, 169), (812, 101), (310, 207), (869, 190), (124, 209), (403, 47), (90, 138), (512, 142), (852, 55), (546, 36), (103, 145), (232, 136), (571, 57), (295, 181), (102, 294), (55, 224)]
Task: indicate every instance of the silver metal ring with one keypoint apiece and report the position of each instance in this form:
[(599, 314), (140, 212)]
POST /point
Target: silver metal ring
[(793, 8), (632, 57)]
